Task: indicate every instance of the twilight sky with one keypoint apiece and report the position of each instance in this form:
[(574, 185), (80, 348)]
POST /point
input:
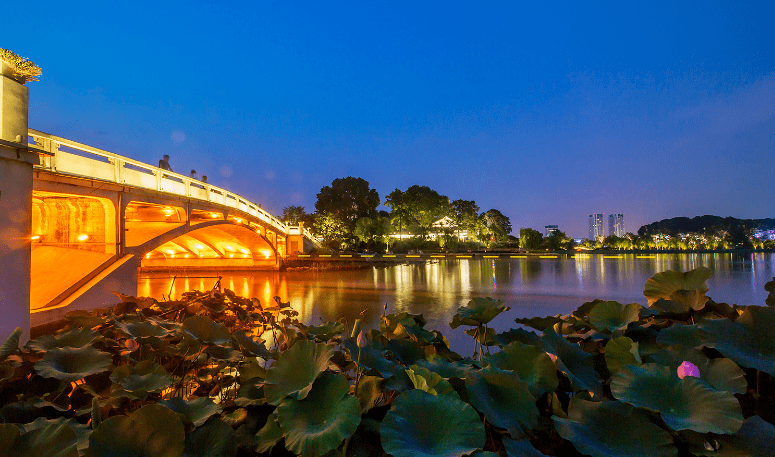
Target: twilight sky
[(544, 112)]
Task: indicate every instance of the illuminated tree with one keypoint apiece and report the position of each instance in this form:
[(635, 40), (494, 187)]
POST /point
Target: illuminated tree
[(529, 238), (294, 214), (348, 199)]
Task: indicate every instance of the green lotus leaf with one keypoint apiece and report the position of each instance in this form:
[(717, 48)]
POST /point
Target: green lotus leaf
[(295, 370), (236, 418), (389, 323), (770, 287), (423, 425), (426, 380), (368, 391), (223, 354), (195, 411), (531, 364), (620, 352), (413, 332), (482, 335), (669, 308), (610, 315), (577, 364), (686, 288), (151, 431), (325, 331), (75, 338), (520, 448), (207, 331), (517, 334), (755, 438), (251, 393), (6, 372), (81, 431), (503, 398), (141, 379), (478, 311), (372, 356), (85, 319), (11, 344), (213, 439), (50, 440), (613, 428), (323, 419), (687, 403), (407, 351), (540, 323), (250, 346), (268, 436), (746, 340), (721, 373), (140, 330), (445, 368), (685, 335), (582, 312), (69, 364)]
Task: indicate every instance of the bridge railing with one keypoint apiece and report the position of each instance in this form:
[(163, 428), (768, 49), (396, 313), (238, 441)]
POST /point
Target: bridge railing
[(73, 158)]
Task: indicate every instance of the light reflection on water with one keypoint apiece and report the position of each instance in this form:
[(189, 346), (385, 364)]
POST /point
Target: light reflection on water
[(531, 287)]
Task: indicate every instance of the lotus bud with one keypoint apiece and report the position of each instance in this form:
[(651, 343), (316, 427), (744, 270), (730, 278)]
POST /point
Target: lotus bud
[(361, 340), (688, 369), (552, 356), (131, 345), (356, 328)]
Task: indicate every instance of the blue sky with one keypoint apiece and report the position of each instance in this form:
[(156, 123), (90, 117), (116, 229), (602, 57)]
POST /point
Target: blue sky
[(544, 112)]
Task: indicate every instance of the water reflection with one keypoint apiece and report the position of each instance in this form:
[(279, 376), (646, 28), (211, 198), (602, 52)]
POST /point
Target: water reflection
[(436, 288)]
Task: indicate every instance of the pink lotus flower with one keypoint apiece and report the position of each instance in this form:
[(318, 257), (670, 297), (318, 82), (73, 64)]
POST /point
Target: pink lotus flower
[(688, 369), (361, 340)]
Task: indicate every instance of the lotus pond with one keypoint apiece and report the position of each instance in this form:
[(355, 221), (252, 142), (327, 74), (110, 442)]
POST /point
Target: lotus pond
[(215, 374)]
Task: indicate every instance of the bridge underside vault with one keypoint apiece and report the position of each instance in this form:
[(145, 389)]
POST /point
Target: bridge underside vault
[(215, 247)]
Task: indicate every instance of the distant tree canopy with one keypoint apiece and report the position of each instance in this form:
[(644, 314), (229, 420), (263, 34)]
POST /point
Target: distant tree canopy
[(348, 199), (496, 227), (704, 224), (529, 238), (294, 214), (465, 213), (558, 240)]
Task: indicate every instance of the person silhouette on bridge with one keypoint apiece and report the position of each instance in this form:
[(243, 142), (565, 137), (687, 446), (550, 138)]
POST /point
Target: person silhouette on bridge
[(164, 163)]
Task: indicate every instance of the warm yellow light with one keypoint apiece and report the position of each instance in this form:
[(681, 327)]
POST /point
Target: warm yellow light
[(216, 255), (201, 255), (266, 253), (213, 215), (239, 221), (199, 246), (186, 255), (173, 255), (244, 255), (168, 211), (170, 252), (231, 255), (148, 256), (244, 251), (83, 237), (35, 237), (229, 248)]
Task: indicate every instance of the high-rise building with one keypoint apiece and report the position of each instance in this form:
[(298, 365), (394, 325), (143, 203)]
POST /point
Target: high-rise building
[(616, 225), (596, 227), (549, 229)]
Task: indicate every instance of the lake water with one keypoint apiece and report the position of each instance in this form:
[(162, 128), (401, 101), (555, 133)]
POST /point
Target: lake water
[(531, 287)]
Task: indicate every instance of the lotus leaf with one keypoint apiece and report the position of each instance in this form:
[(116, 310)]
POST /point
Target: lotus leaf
[(81, 431), (423, 425), (686, 335), (206, 331), (268, 436), (582, 312), (687, 403), (142, 330), (323, 419), (577, 364), (369, 390), (540, 323), (530, 364), (613, 428), (503, 398), (478, 311), (11, 344), (430, 382), (224, 354), (482, 335), (389, 323), (721, 373), (610, 315), (296, 370), (51, 440), (69, 364), (407, 351), (687, 288), (75, 338), (414, 332), (141, 379), (250, 346), (755, 438), (325, 331), (619, 352), (517, 334), (520, 448), (445, 368), (196, 411), (747, 340), (250, 393), (213, 439), (770, 287), (6, 372), (84, 319), (151, 431), (372, 356)]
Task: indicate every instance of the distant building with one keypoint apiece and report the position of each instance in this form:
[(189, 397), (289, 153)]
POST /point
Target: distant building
[(616, 225), (549, 229), (596, 227)]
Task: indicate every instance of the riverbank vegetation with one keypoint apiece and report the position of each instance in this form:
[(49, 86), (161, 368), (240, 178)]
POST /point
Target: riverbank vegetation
[(216, 374)]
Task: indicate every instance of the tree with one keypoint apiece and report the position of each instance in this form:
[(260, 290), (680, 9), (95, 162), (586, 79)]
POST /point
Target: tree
[(333, 230), (529, 238), (400, 212), (426, 206), (499, 225), (292, 215), (348, 199), (371, 230), (558, 240), (465, 214)]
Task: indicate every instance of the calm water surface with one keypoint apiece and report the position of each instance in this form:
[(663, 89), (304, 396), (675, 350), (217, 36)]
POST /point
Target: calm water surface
[(531, 287)]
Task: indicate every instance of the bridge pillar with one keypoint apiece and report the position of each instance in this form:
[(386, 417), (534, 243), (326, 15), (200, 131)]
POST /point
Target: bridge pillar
[(16, 161)]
